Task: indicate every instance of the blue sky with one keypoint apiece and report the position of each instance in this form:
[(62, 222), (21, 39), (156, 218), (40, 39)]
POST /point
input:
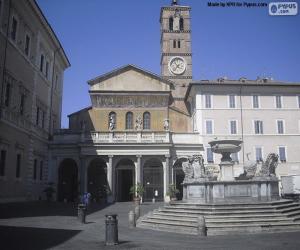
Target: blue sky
[(100, 35)]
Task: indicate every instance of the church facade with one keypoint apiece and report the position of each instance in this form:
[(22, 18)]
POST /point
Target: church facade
[(140, 126)]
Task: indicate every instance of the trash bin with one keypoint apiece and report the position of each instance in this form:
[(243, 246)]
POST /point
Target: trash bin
[(111, 229), (81, 212)]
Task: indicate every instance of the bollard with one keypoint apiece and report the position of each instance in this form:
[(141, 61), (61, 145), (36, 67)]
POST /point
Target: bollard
[(111, 229), (81, 213), (131, 219), (201, 226), (137, 212), (153, 200)]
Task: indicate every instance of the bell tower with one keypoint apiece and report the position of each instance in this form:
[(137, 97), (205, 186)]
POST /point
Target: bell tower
[(176, 52)]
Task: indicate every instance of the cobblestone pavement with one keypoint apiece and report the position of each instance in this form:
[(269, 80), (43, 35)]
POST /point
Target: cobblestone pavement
[(42, 225)]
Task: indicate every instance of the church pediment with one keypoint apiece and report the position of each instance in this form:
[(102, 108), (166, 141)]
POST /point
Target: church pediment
[(129, 78)]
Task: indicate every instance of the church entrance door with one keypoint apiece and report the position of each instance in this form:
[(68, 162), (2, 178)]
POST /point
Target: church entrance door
[(125, 179)]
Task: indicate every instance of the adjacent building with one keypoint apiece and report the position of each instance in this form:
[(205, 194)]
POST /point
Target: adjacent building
[(264, 113), (32, 64)]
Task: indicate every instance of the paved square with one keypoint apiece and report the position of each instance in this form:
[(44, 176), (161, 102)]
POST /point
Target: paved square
[(42, 225)]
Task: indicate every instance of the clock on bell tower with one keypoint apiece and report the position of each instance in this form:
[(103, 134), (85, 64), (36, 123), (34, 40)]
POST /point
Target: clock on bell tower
[(176, 56)]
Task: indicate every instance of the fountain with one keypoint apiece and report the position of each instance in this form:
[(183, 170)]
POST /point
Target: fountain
[(255, 184)]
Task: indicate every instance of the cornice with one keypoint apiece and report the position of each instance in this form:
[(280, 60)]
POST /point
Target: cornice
[(176, 54), (176, 31)]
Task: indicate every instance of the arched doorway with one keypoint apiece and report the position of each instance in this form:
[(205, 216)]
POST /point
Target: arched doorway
[(178, 176), (68, 184), (125, 179), (153, 180), (97, 180)]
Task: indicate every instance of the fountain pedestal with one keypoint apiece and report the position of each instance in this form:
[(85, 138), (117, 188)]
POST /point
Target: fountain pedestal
[(226, 171)]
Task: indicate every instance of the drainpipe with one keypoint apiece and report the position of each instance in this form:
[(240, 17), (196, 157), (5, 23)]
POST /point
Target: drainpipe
[(242, 122), (4, 58)]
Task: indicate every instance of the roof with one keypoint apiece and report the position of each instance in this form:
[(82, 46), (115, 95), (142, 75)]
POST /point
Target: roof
[(81, 110), (49, 29), (127, 68), (241, 82)]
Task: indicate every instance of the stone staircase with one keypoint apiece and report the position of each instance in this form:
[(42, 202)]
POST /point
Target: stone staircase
[(224, 219)]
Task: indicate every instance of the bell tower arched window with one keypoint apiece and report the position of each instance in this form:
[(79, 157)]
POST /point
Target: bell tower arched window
[(146, 120), (129, 120), (181, 23), (171, 23)]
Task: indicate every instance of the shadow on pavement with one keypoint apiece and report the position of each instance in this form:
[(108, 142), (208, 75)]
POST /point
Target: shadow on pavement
[(44, 208), (16, 238)]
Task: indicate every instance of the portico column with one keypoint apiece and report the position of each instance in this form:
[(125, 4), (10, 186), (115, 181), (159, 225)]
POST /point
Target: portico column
[(166, 166), (110, 174), (83, 175), (138, 170)]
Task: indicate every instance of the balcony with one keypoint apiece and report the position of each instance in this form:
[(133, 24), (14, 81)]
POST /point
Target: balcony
[(127, 137)]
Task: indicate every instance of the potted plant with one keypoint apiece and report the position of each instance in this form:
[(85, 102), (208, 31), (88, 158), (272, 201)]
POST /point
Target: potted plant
[(172, 192), (49, 191), (137, 191)]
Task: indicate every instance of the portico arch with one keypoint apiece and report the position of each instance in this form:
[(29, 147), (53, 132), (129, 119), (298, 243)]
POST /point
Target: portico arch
[(153, 179), (97, 179), (68, 185), (178, 176)]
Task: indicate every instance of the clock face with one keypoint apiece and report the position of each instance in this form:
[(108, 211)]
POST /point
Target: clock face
[(177, 65)]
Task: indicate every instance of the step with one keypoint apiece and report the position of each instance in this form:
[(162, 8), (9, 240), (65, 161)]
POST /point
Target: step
[(187, 208), (245, 212), (242, 204), (252, 229), (171, 218), (169, 228), (212, 222), (260, 224), (170, 222)]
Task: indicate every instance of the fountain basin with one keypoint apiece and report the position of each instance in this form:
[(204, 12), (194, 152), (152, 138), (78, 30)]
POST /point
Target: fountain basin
[(225, 146), (231, 191)]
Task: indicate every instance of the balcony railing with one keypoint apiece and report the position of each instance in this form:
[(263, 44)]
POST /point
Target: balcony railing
[(75, 136), (16, 118), (127, 137)]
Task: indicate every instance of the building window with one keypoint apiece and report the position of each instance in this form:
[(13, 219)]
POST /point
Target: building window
[(171, 23), (299, 101), (34, 169), (231, 101), (37, 116), (282, 153), (278, 101), (22, 104), (174, 44), (258, 154), (280, 127), (27, 45), (233, 127), (112, 119), (255, 101), (129, 120), (146, 120), (42, 63), (47, 69), (258, 127), (43, 119), (18, 166), (178, 44), (208, 101), (41, 170), (209, 127), (235, 157), (2, 162), (209, 155), (7, 94), (14, 28), (181, 23)]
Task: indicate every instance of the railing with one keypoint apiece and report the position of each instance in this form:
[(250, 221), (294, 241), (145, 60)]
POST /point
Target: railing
[(127, 137), (16, 118), (75, 136)]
